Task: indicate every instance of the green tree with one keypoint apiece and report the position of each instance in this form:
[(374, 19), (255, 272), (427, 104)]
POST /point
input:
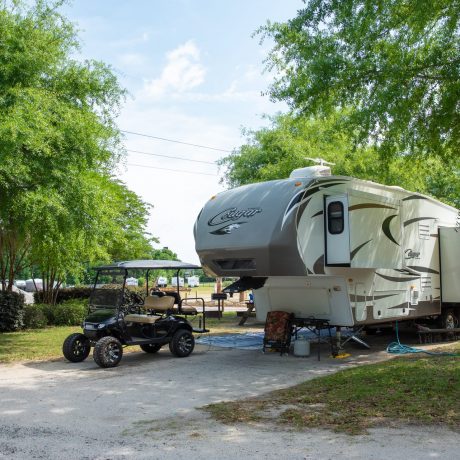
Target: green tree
[(395, 62), (273, 152), (59, 205)]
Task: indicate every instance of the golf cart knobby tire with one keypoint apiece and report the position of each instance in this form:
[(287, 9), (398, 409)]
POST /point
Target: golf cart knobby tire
[(182, 343), (108, 352), (76, 348), (150, 347)]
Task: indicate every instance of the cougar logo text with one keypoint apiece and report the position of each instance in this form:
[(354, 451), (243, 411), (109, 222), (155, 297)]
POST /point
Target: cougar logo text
[(232, 214)]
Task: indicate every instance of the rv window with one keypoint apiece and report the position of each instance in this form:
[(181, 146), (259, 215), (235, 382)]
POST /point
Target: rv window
[(335, 221)]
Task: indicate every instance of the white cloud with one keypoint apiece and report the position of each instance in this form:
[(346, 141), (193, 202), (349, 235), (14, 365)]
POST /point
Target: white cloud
[(182, 72)]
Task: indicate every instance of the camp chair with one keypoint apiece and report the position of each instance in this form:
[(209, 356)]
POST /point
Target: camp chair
[(278, 331)]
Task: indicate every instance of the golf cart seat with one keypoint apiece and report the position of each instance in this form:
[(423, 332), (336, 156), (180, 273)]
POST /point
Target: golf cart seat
[(146, 319), (166, 303), (159, 304)]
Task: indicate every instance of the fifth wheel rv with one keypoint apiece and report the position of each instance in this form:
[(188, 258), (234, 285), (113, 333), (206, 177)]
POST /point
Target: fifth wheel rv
[(347, 250)]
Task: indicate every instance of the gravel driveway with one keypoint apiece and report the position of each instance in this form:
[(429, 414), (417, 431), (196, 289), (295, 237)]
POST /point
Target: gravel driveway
[(146, 409)]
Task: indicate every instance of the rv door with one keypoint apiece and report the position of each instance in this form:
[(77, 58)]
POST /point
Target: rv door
[(337, 230)]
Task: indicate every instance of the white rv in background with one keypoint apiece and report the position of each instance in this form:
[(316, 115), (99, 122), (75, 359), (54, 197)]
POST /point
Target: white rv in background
[(162, 281), (347, 250), (193, 281), (174, 281)]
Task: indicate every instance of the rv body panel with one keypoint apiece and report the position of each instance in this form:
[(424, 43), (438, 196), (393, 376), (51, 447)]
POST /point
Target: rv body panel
[(450, 264), (241, 232), (386, 256)]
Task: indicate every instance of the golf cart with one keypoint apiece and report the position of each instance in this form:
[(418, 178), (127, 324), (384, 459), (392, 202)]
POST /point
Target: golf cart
[(119, 315)]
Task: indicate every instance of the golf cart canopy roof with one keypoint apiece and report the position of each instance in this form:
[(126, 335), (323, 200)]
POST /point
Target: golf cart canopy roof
[(149, 265)]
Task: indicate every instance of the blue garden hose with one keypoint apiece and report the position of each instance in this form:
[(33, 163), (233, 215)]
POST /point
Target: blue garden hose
[(398, 348)]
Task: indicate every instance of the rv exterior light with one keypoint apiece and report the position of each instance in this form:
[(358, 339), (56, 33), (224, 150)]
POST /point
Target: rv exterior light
[(212, 198), (297, 184)]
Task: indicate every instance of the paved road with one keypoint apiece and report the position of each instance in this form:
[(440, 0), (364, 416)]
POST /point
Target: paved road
[(146, 409)]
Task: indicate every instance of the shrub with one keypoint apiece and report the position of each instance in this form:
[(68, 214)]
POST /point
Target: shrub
[(34, 317), (70, 313), (11, 311), (66, 294)]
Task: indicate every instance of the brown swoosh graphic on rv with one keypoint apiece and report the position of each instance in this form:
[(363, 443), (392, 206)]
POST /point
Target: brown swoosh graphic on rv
[(318, 186), (318, 266), (414, 197), (368, 205), (396, 279), (417, 219), (360, 206), (386, 228), (362, 298), (423, 269), (353, 253)]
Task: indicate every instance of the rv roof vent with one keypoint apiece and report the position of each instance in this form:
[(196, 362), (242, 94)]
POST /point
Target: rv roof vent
[(311, 171)]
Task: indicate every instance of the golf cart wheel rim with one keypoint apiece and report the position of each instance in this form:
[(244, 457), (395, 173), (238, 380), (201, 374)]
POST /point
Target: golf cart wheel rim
[(185, 343), (112, 352), (79, 348)]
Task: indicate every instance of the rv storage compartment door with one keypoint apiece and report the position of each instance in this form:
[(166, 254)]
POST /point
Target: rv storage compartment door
[(337, 230), (321, 297), (449, 240)]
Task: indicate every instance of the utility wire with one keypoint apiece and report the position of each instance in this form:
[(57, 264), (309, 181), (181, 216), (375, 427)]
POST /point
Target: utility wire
[(168, 156), (176, 141), (168, 169)]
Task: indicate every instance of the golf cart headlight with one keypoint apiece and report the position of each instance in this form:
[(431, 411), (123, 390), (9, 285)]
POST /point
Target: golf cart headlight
[(101, 326)]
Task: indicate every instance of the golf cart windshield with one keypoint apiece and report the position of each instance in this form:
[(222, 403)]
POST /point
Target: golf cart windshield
[(106, 298)]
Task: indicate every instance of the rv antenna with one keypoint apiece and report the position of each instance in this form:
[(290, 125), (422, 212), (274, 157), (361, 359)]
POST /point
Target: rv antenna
[(320, 161)]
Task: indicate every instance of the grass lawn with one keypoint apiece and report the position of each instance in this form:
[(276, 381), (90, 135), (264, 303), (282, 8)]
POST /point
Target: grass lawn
[(415, 389), (44, 344), (35, 344)]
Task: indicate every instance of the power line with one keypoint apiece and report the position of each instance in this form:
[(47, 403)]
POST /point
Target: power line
[(168, 169), (168, 156), (176, 141)]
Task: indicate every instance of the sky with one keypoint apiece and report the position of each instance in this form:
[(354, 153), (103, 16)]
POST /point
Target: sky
[(194, 74)]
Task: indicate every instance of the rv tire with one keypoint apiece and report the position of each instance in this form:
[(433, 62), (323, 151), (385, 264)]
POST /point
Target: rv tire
[(449, 318)]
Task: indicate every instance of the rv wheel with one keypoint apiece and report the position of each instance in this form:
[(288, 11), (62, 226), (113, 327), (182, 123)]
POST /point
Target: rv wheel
[(449, 319)]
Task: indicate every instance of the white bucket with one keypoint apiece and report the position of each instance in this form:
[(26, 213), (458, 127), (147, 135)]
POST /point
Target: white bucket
[(302, 347)]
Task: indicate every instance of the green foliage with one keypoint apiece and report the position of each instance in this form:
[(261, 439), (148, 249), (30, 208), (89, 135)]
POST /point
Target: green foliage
[(34, 317), (65, 294), (273, 152), (60, 206), (68, 313), (11, 311), (395, 62)]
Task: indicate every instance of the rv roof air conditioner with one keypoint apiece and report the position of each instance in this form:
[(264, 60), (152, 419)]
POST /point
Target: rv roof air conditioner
[(311, 171)]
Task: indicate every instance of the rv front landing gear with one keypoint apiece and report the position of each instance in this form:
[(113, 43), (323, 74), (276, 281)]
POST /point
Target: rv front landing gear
[(355, 337)]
